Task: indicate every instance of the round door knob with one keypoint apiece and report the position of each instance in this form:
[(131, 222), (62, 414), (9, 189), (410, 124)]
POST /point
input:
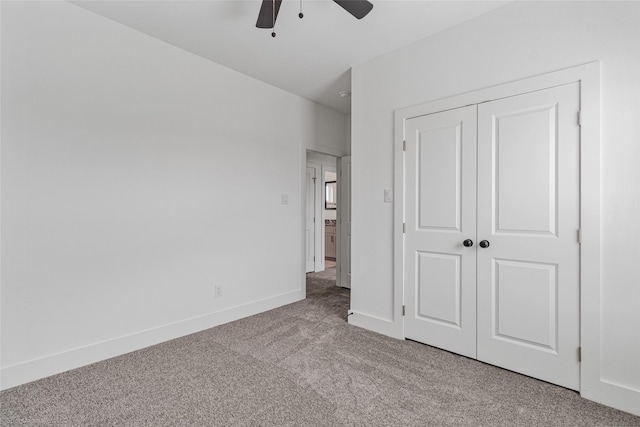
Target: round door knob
[(484, 244), (468, 243)]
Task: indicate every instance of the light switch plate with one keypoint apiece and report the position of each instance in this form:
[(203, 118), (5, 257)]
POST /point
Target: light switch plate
[(388, 196)]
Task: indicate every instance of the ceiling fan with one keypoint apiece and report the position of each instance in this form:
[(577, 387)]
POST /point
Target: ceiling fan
[(269, 11)]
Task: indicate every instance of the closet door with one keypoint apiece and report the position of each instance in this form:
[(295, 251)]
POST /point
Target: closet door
[(440, 210), (528, 222)]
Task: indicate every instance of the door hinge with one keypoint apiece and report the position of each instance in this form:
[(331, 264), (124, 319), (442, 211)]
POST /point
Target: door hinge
[(579, 235), (404, 145), (314, 258), (579, 354), (404, 227), (403, 310), (579, 118)]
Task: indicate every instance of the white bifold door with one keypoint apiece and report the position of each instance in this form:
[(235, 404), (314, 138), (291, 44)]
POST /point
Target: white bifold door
[(440, 212), (492, 226)]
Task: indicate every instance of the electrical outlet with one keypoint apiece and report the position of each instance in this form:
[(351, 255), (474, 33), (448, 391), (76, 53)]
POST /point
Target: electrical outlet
[(217, 291)]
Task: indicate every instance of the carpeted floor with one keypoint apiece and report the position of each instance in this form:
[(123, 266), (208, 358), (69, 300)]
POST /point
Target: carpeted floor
[(298, 365), (328, 273)]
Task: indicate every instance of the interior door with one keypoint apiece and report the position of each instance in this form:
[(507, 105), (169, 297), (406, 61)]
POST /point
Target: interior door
[(528, 215), (440, 211), (310, 220), (344, 223)]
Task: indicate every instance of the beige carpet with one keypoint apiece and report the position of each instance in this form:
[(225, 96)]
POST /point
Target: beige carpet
[(298, 365), (328, 273)]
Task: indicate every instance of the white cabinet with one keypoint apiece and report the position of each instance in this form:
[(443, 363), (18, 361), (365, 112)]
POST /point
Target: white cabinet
[(330, 242)]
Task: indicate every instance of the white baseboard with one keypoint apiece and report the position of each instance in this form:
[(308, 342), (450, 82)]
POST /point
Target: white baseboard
[(615, 395), (376, 324), (31, 370)]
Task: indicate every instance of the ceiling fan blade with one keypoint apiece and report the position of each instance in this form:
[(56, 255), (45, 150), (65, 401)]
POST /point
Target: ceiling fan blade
[(358, 8), (266, 18)]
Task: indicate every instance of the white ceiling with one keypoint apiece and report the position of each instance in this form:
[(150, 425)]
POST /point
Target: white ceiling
[(310, 57)]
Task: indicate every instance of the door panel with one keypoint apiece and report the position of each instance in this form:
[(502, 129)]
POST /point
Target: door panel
[(528, 211), (525, 290), (440, 214), (524, 176), (438, 284), (440, 166)]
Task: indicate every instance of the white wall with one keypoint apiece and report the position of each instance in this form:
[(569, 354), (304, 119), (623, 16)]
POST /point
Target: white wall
[(135, 177), (330, 132), (519, 40)]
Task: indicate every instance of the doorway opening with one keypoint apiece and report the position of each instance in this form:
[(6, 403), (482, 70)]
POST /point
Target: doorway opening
[(327, 192), (326, 207)]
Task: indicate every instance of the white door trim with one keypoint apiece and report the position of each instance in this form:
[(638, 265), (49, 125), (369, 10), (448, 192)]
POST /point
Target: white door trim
[(310, 224), (593, 386), (319, 223), (343, 226)]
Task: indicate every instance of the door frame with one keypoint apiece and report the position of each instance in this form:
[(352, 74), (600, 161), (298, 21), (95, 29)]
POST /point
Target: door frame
[(592, 385), (318, 226), (343, 231), (315, 205)]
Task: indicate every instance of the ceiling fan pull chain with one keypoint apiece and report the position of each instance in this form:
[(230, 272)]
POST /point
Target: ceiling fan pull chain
[(357, 8), (273, 17)]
